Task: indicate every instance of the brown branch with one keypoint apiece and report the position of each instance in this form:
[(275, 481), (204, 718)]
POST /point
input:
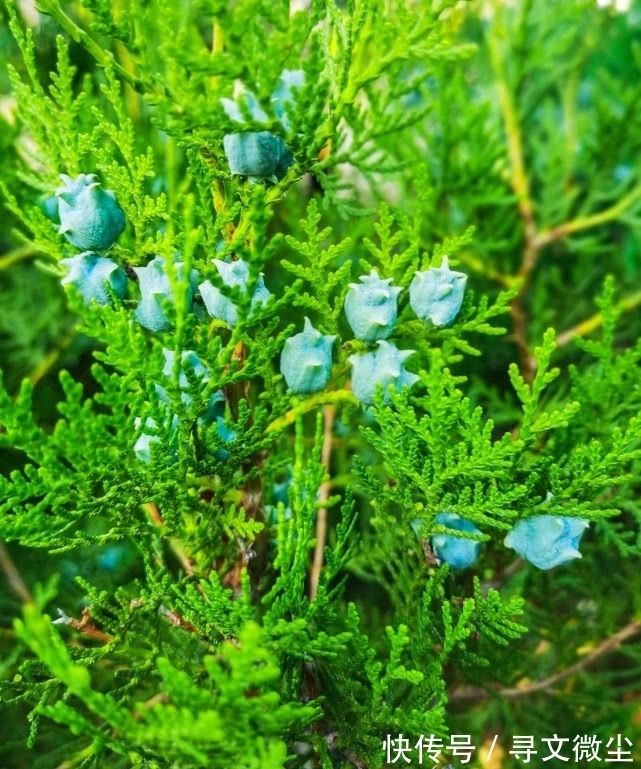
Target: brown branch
[(16, 583), (609, 644), (85, 625), (323, 496), (521, 187)]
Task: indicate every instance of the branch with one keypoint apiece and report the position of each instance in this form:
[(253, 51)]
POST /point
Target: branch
[(609, 644), (587, 326), (323, 496), (587, 222), (16, 583), (521, 187), (79, 35), (309, 404), (17, 255)]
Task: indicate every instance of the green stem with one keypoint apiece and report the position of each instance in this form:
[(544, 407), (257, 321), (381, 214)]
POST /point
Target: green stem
[(104, 58), (17, 255), (590, 324), (587, 222), (309, 404)]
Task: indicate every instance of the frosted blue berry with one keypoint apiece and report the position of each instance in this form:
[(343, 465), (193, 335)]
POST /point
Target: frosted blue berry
[(370, 307), (189, 359), (232, 274), (91, 274), (281, 489), (383, 367), (90, 218), (271, 514), (227, 435), (437, 294), (216, 403), (547, 540), (306, 360), (114, 557), (215, 408), (50, 208), (142, 447), (283, 96), (155, 289), (234, 111), (258, 155), (458, 552)]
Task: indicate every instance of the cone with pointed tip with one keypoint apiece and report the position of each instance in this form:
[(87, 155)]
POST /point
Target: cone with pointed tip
[(190, 362), (258, 155), (283, 96), (227, 435), (246, 104), (90, 217), (383, 367), (547, 540), (92, 274), (458, 552), (142, 447), (155, 288), (437, 294), (233, 274), (370, 307), (306, 360)]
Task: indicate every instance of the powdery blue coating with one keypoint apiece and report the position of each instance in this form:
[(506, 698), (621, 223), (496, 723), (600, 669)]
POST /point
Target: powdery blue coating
[(50, 207), (306, 360), (547, 540), (234, 111), (458, 552), (371, 308), (90, 218), (112, 557), (155, 288), (189, 360), (282, 96), (437, 294), (91, 274), (382, 367), (271, 514), (258, 155), (227, 435), (232, 274), (215, 408), (142, 447)]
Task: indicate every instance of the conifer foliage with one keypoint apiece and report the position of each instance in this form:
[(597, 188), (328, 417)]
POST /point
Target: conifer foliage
[(227, 542)]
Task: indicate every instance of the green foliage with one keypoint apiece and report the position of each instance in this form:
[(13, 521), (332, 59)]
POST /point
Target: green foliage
[(207, 570)]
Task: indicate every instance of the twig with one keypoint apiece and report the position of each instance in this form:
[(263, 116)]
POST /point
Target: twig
[(51, 358), (609, 644), (323, 495), (16, 583), (103, 57), (154, 513), (546, 237), (78, 758), (17, 255), (309, 404), (85, 625), (590, 324), (520, 184)]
